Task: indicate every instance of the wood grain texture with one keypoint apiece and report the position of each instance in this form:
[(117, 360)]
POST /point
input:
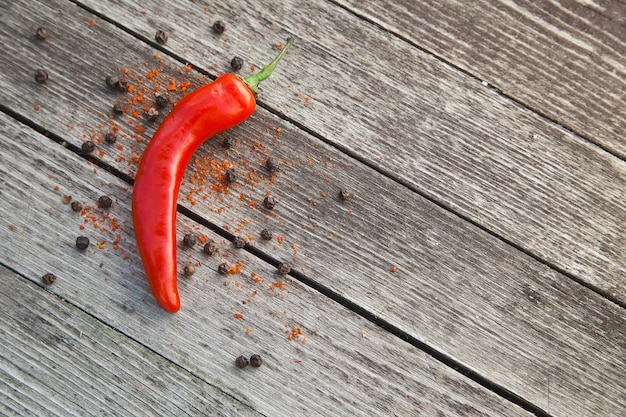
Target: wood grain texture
[(564, 59), (438, 296), (528, 181), (345, 366), (56, 360)]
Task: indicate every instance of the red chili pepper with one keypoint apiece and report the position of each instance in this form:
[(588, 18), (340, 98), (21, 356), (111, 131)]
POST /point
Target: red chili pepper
[(205, 112)]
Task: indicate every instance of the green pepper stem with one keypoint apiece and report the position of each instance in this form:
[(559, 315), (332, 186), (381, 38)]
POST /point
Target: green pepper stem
[(254, 80)]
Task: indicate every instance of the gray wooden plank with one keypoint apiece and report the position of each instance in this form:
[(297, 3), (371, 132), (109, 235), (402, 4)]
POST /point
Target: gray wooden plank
[(346, 365), (564, 59), (58, 361), (528, 181), (441, 258)]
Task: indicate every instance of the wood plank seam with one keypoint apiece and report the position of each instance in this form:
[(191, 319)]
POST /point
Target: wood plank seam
[(302, 278), (390, 175), (470, 74), (113, 328)]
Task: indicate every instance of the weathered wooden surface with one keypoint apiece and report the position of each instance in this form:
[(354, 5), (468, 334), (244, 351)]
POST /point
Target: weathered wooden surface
[(459, 289), (346, 365), (564, 59), (58, 361), (446, 135)]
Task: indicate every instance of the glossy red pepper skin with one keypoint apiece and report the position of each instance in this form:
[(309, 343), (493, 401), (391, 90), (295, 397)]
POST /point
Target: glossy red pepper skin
[(200, 115)]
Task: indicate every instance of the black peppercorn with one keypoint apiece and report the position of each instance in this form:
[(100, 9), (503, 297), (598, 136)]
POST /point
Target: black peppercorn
[(271, 164), (76, 206), (152, 114), (256, 361), (189, 270), (266, 234), (82, 242), (284, 268), (110, 137), (122, 85), (190, 240), (41, 33), (239, 242), (223, 268), (118, 108), (344, 195), (241, 362), (105, 202), (236, 63), (48, 278), (88, 146), (161, 100), (230, 176), (210, 248), (41, 76), (269, 202), (112, 82), (219, 27), (228, 142), (161, 37)]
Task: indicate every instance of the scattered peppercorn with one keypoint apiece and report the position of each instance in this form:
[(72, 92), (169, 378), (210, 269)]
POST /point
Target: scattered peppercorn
[(269, 202), (122, 85), (284, 268), (152, 114), (228, 142), (112, 82), (266, 234), (88, 146), (241, 362), (210, 248), (41, 76), (344, 195), (161, 100), (118, 108), (48, 279), (219, 27), (190, 240), (82, 242), (189, 270), (161, 37), (256, 361), (230, 176), (110, 137), (76, 205), (271, 164), (41, 33), (239, 242), (236, 63), (105, 202), (223, 268)]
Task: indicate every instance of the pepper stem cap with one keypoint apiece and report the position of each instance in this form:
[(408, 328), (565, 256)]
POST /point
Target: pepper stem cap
[(254, 80)]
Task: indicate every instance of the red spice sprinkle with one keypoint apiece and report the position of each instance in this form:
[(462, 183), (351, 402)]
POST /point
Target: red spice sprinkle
[(92, 22), (393, 268), (238, 315), (280, 239)]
